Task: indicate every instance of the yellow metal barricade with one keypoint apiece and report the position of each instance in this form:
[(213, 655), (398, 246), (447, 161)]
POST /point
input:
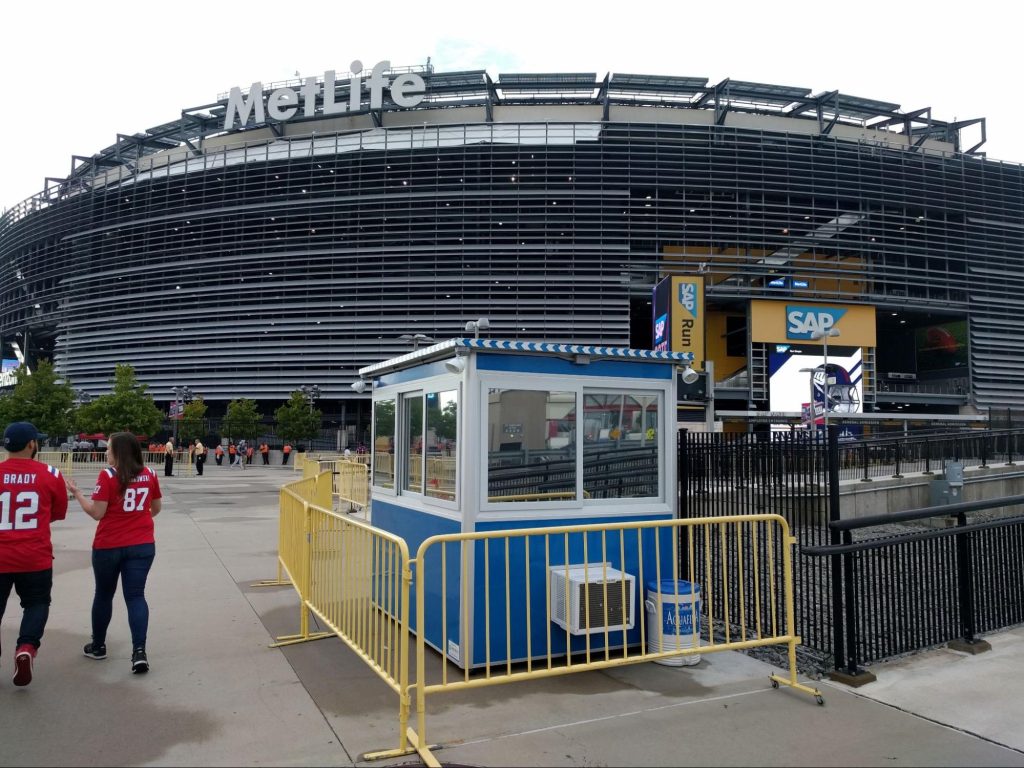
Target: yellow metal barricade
[(356, 579), (309, 468), (741, 564), (360, 589), (351, 483), (293, 555)]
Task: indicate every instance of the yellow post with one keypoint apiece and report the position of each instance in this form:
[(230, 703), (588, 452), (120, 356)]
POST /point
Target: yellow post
[(787, 565)]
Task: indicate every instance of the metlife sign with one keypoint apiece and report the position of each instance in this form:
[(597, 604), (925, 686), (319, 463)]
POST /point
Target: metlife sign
[(406, 90), (803, 322)]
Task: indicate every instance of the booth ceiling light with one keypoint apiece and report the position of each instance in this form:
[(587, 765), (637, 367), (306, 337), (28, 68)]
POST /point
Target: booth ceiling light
[(689, 376), (361, 386)]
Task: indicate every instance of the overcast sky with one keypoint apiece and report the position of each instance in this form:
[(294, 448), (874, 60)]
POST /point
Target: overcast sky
[(79, 73)]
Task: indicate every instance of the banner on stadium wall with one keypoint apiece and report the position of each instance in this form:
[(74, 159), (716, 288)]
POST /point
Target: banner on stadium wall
[(678, 304), (795, 322)]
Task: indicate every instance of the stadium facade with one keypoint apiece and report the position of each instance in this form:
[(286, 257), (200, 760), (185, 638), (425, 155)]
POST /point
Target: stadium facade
[(291, 233)]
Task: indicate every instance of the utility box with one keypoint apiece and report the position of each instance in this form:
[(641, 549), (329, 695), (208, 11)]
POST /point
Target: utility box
[(954, 473), (948, 489)]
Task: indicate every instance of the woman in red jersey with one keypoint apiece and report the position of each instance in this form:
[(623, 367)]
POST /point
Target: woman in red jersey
[(125, 501)]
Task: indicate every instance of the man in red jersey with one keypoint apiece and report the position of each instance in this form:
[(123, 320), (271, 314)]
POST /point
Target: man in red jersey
[(32, 495)]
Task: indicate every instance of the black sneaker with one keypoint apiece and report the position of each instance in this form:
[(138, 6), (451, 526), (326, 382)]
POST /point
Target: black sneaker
[(140, 664), (95, 651)]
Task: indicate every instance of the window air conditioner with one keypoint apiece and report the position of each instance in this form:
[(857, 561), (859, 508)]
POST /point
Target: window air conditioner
[(595, 592)]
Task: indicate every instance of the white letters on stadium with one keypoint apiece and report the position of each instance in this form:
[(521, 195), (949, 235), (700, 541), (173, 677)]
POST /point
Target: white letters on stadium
[(407, 90)]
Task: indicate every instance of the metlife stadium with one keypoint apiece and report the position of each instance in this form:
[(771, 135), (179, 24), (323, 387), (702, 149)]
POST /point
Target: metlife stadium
[(290, 233)]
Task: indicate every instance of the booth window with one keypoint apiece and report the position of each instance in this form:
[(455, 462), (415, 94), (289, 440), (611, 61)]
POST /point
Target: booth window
[(440, 454), (620, 445), (531, 445), (384, 443), (412, 466)]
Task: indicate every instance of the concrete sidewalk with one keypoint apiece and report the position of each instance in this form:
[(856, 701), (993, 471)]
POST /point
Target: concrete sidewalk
[(218, 695)]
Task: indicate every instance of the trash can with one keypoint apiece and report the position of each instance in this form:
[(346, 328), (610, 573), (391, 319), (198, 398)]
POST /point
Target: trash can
[(673, 619)]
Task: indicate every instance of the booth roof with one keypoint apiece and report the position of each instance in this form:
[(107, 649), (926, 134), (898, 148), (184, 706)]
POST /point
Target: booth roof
[(445, 348)]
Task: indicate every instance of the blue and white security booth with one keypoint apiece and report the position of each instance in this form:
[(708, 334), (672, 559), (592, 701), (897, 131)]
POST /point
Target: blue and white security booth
[(483, 435)]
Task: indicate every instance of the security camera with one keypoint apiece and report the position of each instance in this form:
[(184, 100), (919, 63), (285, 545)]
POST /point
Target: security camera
[(360, 386), (689, 376)]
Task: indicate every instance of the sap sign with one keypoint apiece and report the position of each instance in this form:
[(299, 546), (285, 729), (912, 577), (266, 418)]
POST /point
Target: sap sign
[(661, 333), (688, 298), (801, 322)]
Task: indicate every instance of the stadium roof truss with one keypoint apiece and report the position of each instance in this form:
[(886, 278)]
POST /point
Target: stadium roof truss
[(476, 88)]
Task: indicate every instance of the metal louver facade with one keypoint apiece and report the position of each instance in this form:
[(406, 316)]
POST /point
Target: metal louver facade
[(249, 262)]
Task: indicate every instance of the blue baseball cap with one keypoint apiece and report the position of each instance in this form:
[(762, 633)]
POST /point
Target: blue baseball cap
[(18, 435)]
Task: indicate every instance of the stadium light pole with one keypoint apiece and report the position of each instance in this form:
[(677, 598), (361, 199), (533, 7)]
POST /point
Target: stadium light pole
[(182, 395), (823, 336), (312, 393)]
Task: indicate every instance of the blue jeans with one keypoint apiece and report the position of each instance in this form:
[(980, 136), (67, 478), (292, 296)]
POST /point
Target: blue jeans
[(132, 565), (33, 587)]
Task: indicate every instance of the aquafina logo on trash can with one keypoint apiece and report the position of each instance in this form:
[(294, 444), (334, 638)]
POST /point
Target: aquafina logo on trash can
[(679, 618)]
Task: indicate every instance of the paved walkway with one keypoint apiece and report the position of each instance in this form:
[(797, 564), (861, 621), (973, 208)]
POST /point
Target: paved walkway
[(218, 695)]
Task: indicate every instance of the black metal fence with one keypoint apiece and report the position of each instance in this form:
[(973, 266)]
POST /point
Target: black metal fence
[(784, 473), (923, 588), (896, 456), (895, 592)]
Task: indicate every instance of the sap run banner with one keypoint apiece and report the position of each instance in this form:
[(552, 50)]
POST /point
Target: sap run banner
[(678, 303)]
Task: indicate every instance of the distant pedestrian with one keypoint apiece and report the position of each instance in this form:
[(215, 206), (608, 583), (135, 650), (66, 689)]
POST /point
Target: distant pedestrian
[(286, 451), (249, 452), (200, 454), (265, 452), (125, 500), (31, 501), (169, 457), (232, 451), (218, 454), (236, 458)]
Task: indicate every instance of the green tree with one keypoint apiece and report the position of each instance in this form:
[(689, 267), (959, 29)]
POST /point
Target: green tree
[(242, 419), (296, 421), (193, 421), (128, 408), (40, 398), (446, 421)]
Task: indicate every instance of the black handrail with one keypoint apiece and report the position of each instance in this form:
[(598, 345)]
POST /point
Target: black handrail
[(846, 648), (923, 513)]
